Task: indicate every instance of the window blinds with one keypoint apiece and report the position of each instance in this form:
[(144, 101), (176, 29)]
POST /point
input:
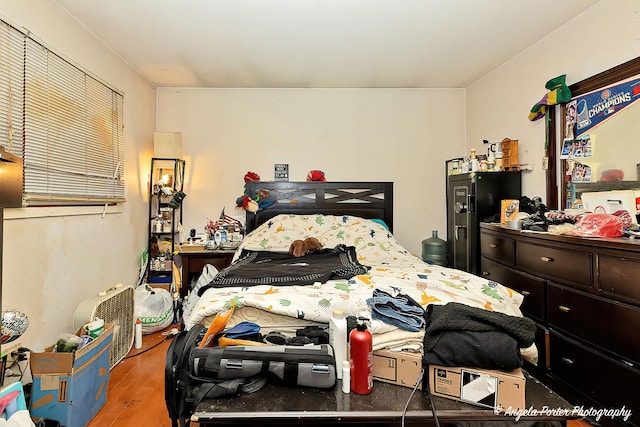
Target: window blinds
[(72, 141), (11, 89)]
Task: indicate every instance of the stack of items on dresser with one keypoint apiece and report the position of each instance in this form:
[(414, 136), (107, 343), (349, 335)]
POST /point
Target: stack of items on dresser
[(600, 221)]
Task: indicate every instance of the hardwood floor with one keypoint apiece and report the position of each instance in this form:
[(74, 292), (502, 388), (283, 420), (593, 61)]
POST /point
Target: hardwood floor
[(135, 397)]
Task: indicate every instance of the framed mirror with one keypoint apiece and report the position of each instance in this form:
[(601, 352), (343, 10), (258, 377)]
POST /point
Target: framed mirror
[(593, 141)]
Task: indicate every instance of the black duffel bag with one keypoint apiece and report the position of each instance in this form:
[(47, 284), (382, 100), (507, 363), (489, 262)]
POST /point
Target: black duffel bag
[(193, 374), (306, 366)]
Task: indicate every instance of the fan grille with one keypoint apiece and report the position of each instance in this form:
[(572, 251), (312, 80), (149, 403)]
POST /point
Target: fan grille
[(115, 306), (119, 311)]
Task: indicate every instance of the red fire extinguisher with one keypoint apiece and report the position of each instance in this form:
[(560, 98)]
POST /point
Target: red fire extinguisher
[(361, 356)]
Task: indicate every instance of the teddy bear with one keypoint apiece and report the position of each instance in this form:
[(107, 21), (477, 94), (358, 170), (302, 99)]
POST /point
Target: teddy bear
[(299, 247)]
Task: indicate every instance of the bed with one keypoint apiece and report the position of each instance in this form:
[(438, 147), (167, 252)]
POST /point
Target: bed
[(352, 214)]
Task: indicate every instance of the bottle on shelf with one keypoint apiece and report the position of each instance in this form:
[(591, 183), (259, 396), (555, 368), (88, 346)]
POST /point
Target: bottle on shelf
[(474, 165)]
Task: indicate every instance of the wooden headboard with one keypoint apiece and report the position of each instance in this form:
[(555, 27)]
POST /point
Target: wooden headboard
[(371, 200)]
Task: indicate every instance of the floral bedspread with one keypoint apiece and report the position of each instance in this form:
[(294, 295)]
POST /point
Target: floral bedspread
[(393, 269)]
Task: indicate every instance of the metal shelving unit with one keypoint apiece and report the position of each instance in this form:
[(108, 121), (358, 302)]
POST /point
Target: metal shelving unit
[(165, 217)]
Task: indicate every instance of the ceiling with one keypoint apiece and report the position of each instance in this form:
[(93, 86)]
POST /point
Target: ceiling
[(320, 43)]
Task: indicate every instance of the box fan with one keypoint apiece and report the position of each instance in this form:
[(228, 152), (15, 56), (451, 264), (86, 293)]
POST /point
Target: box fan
[(114, 305)]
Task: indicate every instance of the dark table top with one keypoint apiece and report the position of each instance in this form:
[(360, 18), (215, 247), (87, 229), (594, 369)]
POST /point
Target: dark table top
[(278, 404)]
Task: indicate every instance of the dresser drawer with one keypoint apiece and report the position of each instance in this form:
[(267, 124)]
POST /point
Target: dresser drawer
[(608, 324), (608, 382), (198, 264), (572, 267), (498, 248), (531, 287), (541, 342), (620, 276)]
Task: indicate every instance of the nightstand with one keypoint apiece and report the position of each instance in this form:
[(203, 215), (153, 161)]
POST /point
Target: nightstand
[(193, 262)]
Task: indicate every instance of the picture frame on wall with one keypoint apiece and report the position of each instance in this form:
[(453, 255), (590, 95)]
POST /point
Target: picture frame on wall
[(281, 172)]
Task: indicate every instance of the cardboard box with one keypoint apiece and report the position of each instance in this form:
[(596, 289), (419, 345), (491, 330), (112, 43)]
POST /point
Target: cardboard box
[(491, 389), (397, 367), (71, 387), (167, 145)]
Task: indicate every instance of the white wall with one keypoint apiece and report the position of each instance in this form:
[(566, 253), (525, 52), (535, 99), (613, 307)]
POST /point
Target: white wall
[(51, 264), (399, 135), (604, 36)]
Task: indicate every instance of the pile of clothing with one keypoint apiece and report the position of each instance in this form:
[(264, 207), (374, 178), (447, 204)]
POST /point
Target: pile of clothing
[(460, 335)]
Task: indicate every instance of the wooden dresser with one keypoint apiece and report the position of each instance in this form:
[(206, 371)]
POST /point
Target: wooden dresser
[(584, 295)]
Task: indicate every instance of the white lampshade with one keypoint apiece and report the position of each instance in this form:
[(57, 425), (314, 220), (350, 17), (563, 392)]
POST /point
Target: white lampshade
[(167, 145)]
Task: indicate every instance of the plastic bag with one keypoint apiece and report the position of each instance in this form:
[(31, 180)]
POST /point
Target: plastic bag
[(154, 308), (599, 225), (208, 273)]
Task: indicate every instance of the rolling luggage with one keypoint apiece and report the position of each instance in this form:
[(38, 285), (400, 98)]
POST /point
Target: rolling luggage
[(193, 374)]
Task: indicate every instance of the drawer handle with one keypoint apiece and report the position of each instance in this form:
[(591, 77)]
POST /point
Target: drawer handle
[(567, 361), (525, 293), (486, 273), (629, 364), (564, 308), (493, 245), (546, 259)]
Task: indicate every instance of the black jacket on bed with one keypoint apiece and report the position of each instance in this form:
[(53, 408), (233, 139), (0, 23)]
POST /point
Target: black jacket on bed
[(281, 269), (460, 335)]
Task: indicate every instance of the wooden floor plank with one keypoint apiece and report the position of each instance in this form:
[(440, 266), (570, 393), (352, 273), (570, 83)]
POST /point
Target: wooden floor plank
[(135, 396)]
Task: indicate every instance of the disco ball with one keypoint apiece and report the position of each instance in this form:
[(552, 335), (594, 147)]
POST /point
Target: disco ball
[(14, 324)]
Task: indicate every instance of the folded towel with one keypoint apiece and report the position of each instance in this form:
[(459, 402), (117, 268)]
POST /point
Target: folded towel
[(400, 310)]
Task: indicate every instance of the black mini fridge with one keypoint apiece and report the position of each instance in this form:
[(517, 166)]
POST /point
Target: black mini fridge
[(473, 198)]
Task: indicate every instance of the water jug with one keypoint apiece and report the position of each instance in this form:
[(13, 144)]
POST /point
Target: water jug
[(434, 250)]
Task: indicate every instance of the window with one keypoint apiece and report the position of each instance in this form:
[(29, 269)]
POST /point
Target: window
[(66, 124)]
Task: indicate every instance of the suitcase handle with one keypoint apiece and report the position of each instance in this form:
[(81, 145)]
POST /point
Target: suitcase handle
[(105, 291)]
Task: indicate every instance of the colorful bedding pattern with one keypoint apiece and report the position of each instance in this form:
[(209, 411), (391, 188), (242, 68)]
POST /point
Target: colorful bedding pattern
[(393, 269)]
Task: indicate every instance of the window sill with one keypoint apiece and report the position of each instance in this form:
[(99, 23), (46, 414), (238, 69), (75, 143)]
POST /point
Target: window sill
[(54, 211)]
